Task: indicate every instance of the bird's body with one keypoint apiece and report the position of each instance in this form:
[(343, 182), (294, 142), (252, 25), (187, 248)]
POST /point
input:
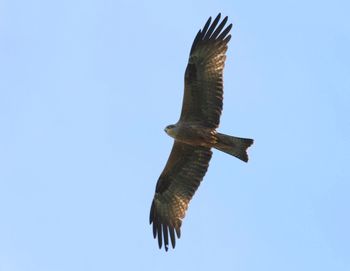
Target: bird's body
[(192, 133), (195, 133)]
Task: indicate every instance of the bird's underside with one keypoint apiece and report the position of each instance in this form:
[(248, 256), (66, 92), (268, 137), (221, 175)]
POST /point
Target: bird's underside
[(195, 132)]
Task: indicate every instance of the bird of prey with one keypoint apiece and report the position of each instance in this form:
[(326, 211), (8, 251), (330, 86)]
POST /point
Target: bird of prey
[(195, 132)]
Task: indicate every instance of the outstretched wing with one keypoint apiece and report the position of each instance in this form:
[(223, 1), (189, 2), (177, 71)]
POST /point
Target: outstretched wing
[(203, 94), (176, 185)]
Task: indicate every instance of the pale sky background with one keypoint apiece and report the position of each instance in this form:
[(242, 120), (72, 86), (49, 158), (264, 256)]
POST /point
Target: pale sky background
[(86, 88)]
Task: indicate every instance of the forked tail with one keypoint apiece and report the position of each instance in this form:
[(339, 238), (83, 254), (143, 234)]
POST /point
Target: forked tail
[(235, 146)]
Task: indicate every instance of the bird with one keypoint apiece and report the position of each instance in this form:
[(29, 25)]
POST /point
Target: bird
[(195, 132)]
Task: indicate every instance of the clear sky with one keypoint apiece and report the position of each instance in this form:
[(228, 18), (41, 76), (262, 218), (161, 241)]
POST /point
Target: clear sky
[(86, 88)]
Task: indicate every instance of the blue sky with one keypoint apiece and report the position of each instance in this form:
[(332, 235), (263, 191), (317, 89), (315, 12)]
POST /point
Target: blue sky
[(86, 89)]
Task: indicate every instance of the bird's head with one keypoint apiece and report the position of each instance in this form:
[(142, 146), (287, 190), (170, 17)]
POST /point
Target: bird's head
[(170, 130)]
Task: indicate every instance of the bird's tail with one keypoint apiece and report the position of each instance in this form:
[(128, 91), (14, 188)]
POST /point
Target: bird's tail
[(235, 146)]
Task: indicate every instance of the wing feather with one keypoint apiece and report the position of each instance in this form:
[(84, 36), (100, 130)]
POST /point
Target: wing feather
[(212, 27), (175, 188), (219, 28), (203, 93)]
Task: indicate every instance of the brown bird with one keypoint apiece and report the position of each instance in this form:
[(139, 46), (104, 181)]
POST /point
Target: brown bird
[(195, 133)]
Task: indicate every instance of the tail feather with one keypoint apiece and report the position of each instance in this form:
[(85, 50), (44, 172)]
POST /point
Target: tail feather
[(235, 146)]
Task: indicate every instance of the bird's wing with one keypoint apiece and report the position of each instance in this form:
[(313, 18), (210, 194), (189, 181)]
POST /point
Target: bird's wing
[(203, 93), (176, 185)]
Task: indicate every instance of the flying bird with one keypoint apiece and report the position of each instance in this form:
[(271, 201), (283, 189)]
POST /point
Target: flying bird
[(195, 132)]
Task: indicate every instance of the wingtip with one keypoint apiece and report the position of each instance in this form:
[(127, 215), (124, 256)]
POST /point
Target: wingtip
[(228, 38), (217, 18), (178, 232), (209, 20), (154, 232)]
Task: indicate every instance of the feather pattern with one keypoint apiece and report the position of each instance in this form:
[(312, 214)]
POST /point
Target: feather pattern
[(203, 93), (176, 186)]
